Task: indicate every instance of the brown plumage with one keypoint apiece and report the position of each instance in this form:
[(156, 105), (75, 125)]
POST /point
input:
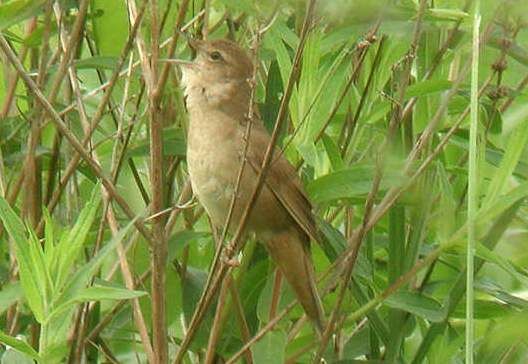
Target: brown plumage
[(218, 98)]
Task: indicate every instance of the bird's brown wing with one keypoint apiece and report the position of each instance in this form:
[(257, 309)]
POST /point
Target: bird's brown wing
[(290, 251), (282, 180)]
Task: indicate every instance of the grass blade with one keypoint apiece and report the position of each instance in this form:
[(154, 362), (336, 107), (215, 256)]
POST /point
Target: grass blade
[(472, 188)]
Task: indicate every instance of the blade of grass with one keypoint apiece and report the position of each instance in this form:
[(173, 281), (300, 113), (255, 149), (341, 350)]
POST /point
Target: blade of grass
[(395, 265), (472, 188)]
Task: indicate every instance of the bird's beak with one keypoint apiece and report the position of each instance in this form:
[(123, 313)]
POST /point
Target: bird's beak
[(180, 62), (177, 61), (195, 44)]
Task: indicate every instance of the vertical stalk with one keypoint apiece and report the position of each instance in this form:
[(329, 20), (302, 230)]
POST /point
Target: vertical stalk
[(159, 247), (472, 186), (43, 338)]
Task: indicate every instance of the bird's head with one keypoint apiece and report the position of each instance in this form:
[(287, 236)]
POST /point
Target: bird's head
[(221, 59), (219, 72)]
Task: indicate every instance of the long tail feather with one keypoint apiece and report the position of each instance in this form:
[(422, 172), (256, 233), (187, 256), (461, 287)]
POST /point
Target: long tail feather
[(291, 256)]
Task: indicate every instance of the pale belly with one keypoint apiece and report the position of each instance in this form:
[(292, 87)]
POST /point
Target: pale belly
[(214, 157)]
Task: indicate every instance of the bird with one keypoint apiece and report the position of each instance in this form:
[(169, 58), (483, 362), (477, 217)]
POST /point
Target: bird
[(218, 93)]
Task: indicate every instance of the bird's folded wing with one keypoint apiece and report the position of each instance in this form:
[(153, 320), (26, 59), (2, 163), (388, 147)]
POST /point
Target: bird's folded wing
[(283, 181)]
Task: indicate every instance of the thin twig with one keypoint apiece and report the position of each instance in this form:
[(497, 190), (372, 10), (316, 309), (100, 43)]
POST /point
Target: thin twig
[(217, 321), (239, 311)]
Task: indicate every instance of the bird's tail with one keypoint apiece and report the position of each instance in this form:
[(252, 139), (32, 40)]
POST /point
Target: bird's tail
[(292, 257)]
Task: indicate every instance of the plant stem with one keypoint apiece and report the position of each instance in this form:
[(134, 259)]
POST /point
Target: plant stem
[(472, 187)]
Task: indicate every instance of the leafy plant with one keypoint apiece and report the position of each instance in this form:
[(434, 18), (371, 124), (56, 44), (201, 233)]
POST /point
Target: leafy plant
[(51, 286)]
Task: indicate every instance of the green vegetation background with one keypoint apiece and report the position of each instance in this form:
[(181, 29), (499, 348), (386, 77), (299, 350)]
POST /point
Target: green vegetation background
[(383, 95)]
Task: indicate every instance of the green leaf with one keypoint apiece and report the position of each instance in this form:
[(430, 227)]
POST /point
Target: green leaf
[(35, 38), (332, 240), (12, 356), (507, 331), (502, 295), (490, 212), (333, 153), (286, 295), (81, 277), (274, 41), (183, 238), (98, 62), (18, 345), (14, 12), (72, 242), (484, 310), (9, 294), (493, 257), (274, 88), (354, 182), (16, 229), (491, 118), (417, 304), (446, 14), (377, 323), (49, 246), (271, 349), (110, 29), (493, 156), (173, 145), (41, 272), (358, 361), (514, 148), (98, 293), (57, 351), (458, 288), (427, 87), (192, 288)]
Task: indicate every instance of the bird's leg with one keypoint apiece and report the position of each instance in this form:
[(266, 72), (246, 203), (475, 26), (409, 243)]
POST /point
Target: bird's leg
[(229, 258)]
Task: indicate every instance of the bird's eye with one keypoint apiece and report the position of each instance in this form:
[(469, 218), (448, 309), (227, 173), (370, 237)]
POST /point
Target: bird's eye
[(215, 56)]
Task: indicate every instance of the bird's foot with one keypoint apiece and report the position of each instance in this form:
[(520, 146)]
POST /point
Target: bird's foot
[(229, 257), (231, 262)]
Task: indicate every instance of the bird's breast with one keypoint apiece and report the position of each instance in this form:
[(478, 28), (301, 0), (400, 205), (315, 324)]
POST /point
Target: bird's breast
[(213, 158), (214, 154)]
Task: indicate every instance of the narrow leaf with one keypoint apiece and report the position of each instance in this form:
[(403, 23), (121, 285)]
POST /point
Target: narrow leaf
[(427, 87), (9, 294), (18, 345), (271, 349), (83, 275), (14, 12), (98, 293), (417, 304), (71, 244), (16, 229)]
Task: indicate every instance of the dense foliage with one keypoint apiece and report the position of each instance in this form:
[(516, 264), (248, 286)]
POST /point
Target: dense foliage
[(409, 145)]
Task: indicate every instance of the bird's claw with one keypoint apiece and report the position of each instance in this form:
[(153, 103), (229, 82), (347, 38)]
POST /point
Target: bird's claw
[(229, 258), (231, 262)]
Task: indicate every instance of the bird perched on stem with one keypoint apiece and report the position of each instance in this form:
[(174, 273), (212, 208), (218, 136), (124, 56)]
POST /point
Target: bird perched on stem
[(218, 97)]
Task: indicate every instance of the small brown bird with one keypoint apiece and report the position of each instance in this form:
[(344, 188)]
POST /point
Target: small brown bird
[(218, 95)]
